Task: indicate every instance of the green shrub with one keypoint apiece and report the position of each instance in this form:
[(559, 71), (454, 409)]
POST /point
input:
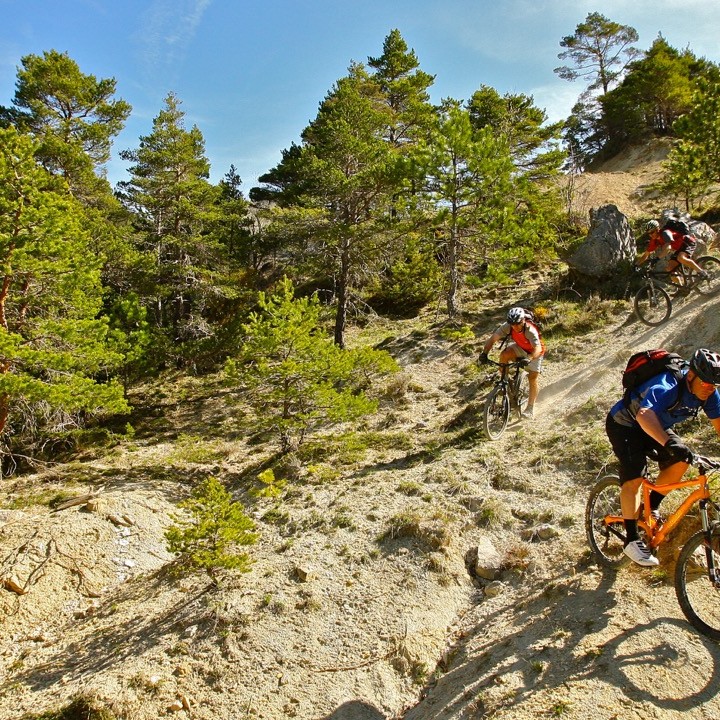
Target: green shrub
[(216, 529), (82, 707)]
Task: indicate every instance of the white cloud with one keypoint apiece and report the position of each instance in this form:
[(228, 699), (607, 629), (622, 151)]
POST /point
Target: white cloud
[(167, 28)]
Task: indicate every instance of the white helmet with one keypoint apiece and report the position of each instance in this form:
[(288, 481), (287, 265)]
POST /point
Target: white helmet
[(515, 315)]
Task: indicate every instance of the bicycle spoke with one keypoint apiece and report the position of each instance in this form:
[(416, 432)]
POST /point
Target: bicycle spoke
[(652, 305), (496, 413), (698, 595), (710, 286), (606, 540)]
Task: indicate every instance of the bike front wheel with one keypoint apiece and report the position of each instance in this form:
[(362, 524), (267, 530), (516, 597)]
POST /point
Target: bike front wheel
[(652, 305), (697, 593), (496, 413), (711, 285), (604, 526), (522, 392)]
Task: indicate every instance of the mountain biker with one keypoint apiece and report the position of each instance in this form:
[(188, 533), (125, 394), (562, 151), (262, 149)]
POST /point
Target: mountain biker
[(672, 246), (526, 344), (641, 430)]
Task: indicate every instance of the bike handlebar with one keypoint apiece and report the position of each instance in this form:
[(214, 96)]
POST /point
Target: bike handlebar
[(704, 464), (520, 362)]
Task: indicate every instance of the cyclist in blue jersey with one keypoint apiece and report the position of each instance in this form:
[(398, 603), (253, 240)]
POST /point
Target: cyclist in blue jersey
[(642, 429)]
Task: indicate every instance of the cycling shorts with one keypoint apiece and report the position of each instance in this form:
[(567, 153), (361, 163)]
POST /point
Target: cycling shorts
[(633, 446), (534, 365)]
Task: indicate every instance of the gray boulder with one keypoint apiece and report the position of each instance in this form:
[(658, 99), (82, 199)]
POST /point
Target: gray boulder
[(609, 242)]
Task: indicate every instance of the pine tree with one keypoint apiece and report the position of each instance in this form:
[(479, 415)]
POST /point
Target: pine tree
[(73, 118), (296, 378), (174, 207), (211, 538), (52, 344), (469, 181)]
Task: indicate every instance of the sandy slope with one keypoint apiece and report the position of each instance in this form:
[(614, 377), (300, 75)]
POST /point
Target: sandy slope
[(359, 605)]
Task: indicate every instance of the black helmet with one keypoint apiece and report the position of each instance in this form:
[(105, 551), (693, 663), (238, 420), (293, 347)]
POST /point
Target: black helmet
[(706, 365), (515, 315)]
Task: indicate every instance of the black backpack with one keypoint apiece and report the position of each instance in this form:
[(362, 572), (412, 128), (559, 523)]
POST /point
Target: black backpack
[(677, 225), (647, 364)]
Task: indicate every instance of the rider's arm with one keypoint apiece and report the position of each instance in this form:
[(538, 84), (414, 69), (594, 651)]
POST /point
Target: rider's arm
[(650, 423), (490, 342)]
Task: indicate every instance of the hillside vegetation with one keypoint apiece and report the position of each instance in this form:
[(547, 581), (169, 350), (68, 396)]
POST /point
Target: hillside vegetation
[(361, 601)]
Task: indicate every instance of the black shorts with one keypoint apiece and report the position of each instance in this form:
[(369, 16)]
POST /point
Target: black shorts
[(633, 446)]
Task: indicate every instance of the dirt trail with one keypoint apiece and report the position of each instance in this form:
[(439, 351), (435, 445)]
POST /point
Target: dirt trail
[(592, 643)]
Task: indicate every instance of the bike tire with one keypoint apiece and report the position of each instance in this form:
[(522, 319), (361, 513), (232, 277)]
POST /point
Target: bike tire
[(604, 500), (496, 413), (711, 286), (520, 393), (652, 305), (699, 598)]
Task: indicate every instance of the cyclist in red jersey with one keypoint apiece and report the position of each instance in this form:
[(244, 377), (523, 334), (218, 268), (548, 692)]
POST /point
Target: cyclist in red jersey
[(525, 343), (672, 246)]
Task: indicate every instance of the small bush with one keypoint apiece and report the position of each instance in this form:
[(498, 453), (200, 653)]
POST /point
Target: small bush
[(216, 528), (83, 707)]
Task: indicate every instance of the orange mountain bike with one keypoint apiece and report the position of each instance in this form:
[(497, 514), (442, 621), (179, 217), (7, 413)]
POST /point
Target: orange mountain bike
[(697, 572)]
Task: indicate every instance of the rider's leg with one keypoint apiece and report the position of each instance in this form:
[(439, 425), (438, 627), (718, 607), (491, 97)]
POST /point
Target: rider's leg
[(687, 261), (534, 388), (507, 355), (630, 502)]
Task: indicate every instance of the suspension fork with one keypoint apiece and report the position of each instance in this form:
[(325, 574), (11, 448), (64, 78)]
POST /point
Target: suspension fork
[(713, 570)]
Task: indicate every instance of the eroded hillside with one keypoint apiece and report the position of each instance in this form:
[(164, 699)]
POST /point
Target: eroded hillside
[(360, 603)]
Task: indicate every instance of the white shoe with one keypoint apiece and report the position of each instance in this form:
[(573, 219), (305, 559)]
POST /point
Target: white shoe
[(528, 413), (639, 553)]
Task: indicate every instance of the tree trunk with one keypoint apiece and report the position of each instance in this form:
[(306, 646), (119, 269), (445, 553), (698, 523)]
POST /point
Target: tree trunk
[(453, 307), (342, 293)]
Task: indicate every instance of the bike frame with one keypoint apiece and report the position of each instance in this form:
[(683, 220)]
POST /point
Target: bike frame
[(509, 379), (662, 277), (656, 534)]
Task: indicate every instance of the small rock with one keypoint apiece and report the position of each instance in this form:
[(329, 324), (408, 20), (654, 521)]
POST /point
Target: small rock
[(494, 588), (304, 574), (96, 505), (182, 670), (489, 561), (11, 583), (117, 520), (175, 706), (547, 532), (185, 702)]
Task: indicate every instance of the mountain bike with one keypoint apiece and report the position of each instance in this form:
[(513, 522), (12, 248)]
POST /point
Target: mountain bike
[(653, 302), (510, 392), (697, 572)]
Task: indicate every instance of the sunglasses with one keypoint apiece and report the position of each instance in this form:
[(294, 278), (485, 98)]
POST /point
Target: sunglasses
[(707, 385)]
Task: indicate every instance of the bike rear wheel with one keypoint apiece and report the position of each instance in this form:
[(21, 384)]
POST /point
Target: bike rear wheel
[(652, 305), (711, 265), (496, 413), (607, 540), (698, 596)]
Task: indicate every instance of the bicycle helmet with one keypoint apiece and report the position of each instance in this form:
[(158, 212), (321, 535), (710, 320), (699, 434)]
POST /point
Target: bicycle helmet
[(706, 365), (515, 315), (652, 225)]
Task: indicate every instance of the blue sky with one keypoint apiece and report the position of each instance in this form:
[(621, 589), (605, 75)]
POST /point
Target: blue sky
[(251, 73)]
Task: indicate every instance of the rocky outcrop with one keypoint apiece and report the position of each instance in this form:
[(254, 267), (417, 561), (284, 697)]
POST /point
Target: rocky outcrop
[(609, 242)]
